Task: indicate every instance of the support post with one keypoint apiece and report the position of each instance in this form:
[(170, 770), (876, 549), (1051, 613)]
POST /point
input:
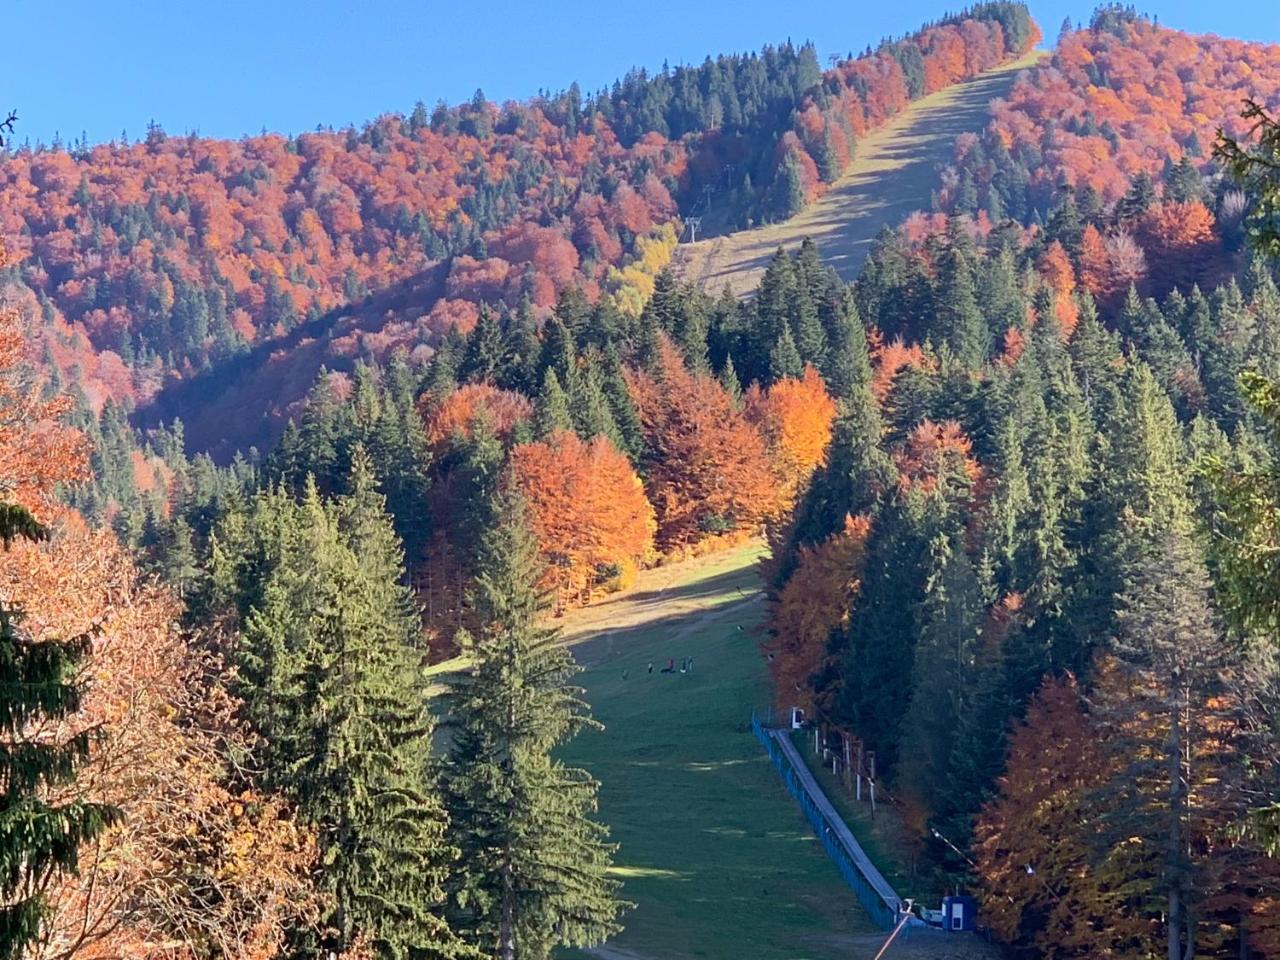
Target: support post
[(872, 760)]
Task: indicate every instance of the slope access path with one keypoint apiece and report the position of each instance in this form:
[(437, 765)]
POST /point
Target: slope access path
[(876, 895), (893, 174)]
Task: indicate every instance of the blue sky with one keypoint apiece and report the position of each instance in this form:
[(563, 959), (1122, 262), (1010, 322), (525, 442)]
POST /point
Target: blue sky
[(237, 66)]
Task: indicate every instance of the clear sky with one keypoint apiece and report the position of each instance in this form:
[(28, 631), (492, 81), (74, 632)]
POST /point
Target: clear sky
[(230, 67)]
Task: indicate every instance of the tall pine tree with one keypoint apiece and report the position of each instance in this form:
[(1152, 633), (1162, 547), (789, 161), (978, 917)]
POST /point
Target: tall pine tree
[(534, 868)]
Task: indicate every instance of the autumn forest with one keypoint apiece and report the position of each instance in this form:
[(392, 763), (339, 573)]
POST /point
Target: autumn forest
[(315, 448)]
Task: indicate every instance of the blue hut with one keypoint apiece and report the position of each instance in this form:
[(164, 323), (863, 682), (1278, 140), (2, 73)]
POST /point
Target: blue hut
[(959, 913)]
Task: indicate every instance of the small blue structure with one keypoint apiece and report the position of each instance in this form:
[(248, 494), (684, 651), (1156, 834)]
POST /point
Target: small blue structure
[(959, 913)]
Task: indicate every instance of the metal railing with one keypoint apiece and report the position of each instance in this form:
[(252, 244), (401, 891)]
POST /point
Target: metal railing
[(883, 909)]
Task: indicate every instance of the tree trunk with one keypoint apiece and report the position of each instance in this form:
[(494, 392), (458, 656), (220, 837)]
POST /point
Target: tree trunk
[(1174, 853), (507, 932)]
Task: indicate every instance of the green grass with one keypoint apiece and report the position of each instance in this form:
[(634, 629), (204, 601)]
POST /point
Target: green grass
[(714, 851)]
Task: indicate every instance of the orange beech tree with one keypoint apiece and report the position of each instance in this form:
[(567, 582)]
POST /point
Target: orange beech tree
[(817, 599), (1041, 891), (588, 512), (930, 451), (706, 468), (794, 416), (455, 414), (199, 862), (39, 451)]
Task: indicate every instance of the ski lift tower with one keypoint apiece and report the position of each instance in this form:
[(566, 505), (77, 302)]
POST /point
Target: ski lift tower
[(693, 223)]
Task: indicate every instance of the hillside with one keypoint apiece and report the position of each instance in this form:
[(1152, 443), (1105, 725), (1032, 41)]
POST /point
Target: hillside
[(894, 173), (211, 279)]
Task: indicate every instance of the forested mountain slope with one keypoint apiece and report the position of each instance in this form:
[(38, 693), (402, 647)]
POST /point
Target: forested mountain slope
[(252, 263), (894, 173), (989, 473)]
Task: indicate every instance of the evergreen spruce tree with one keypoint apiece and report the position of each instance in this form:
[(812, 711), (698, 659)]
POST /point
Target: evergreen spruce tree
[(558, 354), (1164, 724), (521, 350), (786, 193), (960, 324), (442, 375), (877, 650), (691, 335), (331, 680), (857, 468), (589, 407), (1137, 200), (482, 359), (476, 473), (533, 874), (39, 837), (1264, 304), (811, 338), (1138, 489), (664, 309), (729, 380), (948, 628), (552, 410), (811, 276), (623, 409), (771, 309), (784, 359)]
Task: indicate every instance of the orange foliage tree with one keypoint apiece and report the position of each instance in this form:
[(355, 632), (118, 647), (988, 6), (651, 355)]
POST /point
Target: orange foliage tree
[(817, 599), (1039, 888), (37, 451), (588, 511), (454, 415), (1180, 241), (706, 469), (196, 863), (794, 416), (932, 452)]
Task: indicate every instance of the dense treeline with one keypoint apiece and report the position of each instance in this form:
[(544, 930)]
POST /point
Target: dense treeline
[(629, 437), (1012, 534), (240, 760), (769, 131)]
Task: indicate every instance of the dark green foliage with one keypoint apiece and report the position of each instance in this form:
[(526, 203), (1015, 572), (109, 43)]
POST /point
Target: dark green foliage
[(1257, 168), (533, 870), (960, 324), (381, 417), (482, 362), (785, 196), (949, 619), (784, 358), (329, 669), (589, 407), (552, 410)]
